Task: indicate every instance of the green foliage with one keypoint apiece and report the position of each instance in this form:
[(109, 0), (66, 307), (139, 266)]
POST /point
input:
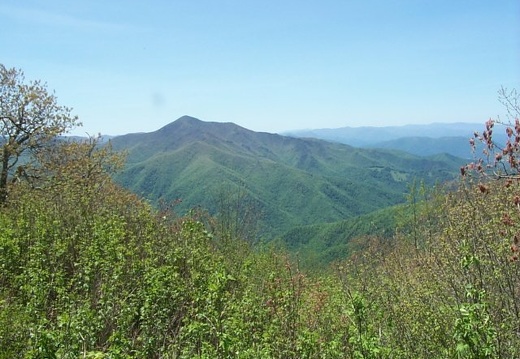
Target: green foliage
[(364, 340), (291, 182), (90, 270), (447, 284), (474, 333), (319, 245)]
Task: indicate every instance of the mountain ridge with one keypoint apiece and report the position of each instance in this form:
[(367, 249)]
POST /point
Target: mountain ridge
[(292, 181), (370, 136)]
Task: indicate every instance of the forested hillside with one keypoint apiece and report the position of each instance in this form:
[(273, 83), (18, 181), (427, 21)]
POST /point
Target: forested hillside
[(90, 270), (288, 181), (428, 146)]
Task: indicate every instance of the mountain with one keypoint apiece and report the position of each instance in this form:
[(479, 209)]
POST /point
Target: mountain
[(369, 135), (289, 181), (421, 140), (427, 146)]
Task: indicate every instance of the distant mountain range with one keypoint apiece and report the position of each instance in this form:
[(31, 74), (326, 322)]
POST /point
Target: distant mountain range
[(427, 146), (290, 181), (423, 140)]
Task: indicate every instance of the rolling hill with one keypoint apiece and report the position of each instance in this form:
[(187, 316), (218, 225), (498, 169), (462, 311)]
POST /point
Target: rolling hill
[(427, 146), (289, 181), (317, 245), (421, 140), (368, 136)]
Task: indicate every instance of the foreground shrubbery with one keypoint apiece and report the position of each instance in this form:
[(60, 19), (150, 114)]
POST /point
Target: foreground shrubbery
[(89, 270), (454, 293)]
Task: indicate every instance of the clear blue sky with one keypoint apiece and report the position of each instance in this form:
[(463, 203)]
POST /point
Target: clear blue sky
[(135, 66)]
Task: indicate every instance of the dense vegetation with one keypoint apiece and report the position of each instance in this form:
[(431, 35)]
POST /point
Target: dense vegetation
[(289, 181), (90, 270)]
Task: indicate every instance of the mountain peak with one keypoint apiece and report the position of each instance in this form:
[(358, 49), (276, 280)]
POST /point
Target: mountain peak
[(187, 119), (179, 123), (188, 124), (189, 129)]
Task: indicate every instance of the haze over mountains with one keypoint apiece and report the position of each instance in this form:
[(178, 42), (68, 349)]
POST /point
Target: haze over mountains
[(421, 140), (289, 181)]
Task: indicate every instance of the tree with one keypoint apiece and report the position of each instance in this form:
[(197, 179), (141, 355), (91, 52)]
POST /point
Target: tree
[(237, 215), (30, 118), (499, 160)]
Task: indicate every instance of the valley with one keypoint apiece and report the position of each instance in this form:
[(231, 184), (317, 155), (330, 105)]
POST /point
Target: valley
[(289, 183)]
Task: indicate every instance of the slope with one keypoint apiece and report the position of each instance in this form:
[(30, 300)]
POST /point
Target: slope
[(428, 146), (369, 135), (289, 181)]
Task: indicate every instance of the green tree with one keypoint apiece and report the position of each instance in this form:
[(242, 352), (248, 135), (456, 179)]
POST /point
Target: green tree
[(30, 118), (237, 214)]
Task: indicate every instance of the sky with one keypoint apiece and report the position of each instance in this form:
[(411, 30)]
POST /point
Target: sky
[(272, 66)]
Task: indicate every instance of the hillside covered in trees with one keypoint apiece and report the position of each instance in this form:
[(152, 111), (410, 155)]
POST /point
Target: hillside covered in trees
[(91, 270), (288, 182)]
